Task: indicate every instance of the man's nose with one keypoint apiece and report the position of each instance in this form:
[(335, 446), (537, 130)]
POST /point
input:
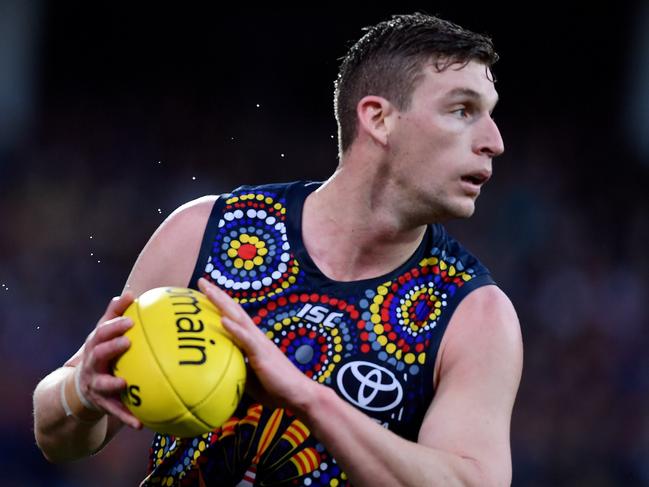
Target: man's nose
[(489, 142)]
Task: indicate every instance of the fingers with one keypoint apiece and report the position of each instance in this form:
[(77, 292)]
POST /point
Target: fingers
[(114, 406), (108, 384), (105, 394), (112, 328), (276, 380), (222, 300), (104, 344), (254, 343), (102, 354), (237, 333), (97, 388), (109, 326), (117, 306), (236, 321)]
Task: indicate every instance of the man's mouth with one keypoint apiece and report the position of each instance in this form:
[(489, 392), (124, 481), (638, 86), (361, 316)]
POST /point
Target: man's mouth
[(477, 178)]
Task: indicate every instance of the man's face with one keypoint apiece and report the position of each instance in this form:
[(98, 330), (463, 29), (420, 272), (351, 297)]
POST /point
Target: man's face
[(443, 144)]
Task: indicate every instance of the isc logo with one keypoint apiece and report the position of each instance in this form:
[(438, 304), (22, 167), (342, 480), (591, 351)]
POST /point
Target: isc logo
[(319, 315)]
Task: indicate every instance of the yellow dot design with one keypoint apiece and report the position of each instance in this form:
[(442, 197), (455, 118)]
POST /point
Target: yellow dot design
[(402, 313), (415, 326), (249, 256)]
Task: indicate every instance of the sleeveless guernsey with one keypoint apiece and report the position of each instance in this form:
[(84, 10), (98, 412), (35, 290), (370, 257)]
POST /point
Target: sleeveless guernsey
[(373, 341)]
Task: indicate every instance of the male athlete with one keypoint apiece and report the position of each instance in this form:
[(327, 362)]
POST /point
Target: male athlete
[(380, 350)]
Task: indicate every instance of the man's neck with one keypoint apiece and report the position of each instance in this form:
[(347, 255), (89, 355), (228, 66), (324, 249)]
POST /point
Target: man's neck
[(352, 227)]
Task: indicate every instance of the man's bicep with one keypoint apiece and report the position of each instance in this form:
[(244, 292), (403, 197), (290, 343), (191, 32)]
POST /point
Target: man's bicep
[(479, 373), (170, 255)]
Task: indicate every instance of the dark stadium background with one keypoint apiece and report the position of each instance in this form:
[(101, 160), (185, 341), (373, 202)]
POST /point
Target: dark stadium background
[(112, 114)]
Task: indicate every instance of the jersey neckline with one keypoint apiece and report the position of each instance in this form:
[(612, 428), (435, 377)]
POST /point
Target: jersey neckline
[(295, 198)]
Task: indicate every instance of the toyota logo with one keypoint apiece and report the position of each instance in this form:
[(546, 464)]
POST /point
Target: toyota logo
[(369, 386)]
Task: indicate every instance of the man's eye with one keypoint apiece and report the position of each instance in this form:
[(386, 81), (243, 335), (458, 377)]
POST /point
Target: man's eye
[(461, 112)]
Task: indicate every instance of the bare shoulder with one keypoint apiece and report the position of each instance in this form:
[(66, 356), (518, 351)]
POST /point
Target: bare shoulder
[(485, 316), (182, 223), (169, 256), (477, 377), (484, 334)]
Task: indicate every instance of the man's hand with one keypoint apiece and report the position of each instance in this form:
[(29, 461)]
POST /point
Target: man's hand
[(103, 346), (275, 381)]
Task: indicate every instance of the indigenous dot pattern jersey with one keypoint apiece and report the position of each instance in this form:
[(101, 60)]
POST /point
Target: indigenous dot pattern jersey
[(373, 341)]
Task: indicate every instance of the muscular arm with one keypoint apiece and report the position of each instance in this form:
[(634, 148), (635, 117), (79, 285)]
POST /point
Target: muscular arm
[(464, 439), (167, 260)]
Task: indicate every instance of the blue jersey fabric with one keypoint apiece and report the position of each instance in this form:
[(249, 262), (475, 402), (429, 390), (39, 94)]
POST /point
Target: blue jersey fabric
[(373, 341)]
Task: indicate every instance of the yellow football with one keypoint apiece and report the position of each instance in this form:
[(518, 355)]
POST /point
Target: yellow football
[(184, 374)]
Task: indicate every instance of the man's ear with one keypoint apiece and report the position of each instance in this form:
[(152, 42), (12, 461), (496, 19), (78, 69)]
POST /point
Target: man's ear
[(375, 115)]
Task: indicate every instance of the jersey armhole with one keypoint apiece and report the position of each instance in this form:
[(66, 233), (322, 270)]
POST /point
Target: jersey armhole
[(455, 300)]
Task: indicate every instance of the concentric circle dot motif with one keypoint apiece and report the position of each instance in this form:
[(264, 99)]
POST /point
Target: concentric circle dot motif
[(314, 346), (399, 315), (251, 257)]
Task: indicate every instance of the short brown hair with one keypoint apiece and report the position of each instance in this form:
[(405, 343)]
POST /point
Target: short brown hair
[(387, 61)]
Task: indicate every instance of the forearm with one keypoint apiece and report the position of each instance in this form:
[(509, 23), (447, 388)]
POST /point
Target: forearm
[(374, 456), (61, 437)]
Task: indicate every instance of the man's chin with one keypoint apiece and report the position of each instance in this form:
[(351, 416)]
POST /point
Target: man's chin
[(443, 210), (462, 211)]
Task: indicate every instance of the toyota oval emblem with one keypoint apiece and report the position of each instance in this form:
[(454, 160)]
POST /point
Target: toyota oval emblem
[(369, 386)]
